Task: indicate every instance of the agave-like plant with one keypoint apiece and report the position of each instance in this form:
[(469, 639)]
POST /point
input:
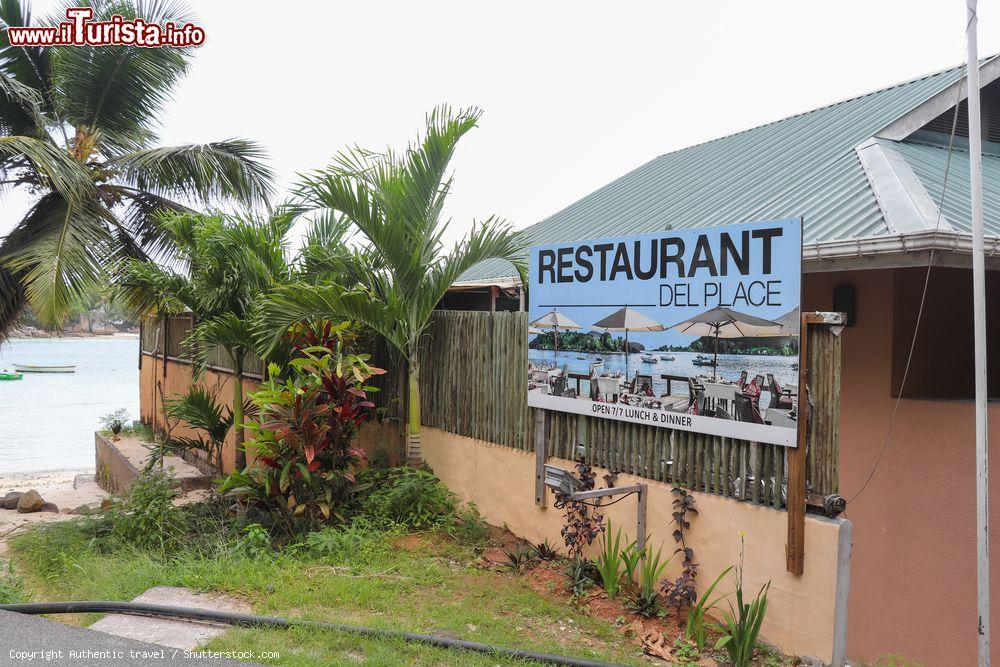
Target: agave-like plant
[(384, 253), (77, 132)]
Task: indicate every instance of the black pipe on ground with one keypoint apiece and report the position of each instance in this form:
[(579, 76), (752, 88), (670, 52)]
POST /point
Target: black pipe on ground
[(250, 620)]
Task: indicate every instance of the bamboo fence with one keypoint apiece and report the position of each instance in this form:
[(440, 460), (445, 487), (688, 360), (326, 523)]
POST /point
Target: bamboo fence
[(473, 382), (473, 373)]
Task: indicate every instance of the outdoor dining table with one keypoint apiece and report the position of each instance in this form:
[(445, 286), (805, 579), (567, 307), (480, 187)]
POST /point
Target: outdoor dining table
[(539, 375), (608, 386), (720, 392), (780, 417)]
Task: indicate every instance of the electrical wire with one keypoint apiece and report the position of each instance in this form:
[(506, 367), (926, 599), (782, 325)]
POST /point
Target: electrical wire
[(923, 295)]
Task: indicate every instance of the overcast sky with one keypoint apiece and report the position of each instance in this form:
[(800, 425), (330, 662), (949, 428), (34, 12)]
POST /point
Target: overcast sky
[(575, 93)]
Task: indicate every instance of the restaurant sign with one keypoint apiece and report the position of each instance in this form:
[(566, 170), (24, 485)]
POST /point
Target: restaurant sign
[(693, 329)]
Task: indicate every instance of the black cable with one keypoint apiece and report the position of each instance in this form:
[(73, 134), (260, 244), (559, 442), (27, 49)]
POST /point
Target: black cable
[(250, 620), (599, 505)]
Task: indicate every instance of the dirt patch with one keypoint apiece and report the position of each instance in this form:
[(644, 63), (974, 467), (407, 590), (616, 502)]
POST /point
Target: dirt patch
[(655, 635), (410, 542)]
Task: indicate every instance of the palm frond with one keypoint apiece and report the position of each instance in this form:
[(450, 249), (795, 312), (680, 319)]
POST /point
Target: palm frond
[(21, 109), (199, 409), (289, 304), (119, 91), (147, 289), (141, 217), (61, 251), (226, 330), (12, 301), (60, 171), (31, 66), (230, 169), (492, 239)]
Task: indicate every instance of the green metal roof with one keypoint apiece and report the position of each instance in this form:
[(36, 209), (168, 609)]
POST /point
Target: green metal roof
[(928, 159), (805, 165)]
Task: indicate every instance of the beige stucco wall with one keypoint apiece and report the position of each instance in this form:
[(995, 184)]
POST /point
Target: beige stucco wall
[(800, 619)]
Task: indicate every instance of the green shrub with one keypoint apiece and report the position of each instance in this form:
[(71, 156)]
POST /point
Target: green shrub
[(11, 591), (412, 498), (354, 543), (146, 516), (609, 561)]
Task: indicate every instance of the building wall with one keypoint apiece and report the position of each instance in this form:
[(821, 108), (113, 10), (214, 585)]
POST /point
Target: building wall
[(913, 581), (801, 610), (913, 578)]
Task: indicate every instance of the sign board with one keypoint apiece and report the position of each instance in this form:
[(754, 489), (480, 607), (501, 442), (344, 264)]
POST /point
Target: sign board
[(693, 329)]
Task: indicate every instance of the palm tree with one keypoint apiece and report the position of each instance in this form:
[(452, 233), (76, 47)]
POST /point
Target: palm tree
[(393, 274), (78, 134), (228, 264)]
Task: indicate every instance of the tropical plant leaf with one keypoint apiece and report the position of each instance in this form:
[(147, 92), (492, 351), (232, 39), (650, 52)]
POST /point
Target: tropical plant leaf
[(118, 91), (224, 169)]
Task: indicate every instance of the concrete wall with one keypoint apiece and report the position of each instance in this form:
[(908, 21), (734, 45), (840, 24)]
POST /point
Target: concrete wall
[(913, 570), (801, 610)]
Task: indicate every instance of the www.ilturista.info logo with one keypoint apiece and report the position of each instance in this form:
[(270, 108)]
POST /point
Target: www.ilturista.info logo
[(80, 30)]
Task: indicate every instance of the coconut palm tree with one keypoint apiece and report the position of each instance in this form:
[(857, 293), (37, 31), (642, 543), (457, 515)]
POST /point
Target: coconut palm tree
[(78, 135), (227, 264), (395, 269)]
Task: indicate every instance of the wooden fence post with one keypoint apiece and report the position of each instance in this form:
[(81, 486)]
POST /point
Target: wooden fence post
[(795, 546), (543, 421)]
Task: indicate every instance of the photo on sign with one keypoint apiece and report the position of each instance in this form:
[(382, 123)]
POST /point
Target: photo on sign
[(693, 329)]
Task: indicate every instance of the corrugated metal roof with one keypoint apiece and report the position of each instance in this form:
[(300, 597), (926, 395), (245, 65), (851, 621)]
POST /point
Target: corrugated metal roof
[(804, 165), (928, 162)]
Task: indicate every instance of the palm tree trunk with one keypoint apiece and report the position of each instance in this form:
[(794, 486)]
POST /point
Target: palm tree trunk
[(241, 455), (414, 455)]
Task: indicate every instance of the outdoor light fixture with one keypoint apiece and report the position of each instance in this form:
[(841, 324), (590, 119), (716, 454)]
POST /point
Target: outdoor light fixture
[(566, 483), (561, 481)]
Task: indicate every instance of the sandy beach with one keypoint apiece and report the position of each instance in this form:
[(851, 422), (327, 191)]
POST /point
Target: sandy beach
[(68, 489)]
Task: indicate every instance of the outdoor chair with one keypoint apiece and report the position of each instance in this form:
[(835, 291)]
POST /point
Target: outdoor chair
[(745, 411), (780, 398), (753, 389), (643, 385), (696, 398), (742, 381)]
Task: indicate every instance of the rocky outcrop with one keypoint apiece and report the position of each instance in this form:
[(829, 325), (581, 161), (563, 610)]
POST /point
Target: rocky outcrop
[(27, 503), (30, 502), (9, 502)]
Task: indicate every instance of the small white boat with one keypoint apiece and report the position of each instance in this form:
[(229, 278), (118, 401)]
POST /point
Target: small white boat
[(31, 368), (582, 356), (667, 357), (648, 359)]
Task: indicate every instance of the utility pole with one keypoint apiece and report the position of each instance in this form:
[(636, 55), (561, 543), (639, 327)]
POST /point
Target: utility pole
[(979, 324)]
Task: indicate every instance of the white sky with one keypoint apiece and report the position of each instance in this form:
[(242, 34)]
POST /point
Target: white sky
[(575, 93)]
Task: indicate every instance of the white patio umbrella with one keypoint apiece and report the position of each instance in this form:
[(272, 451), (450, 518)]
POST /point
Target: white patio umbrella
[(553, 321), (727, 323), (791, 323), (627, 319)]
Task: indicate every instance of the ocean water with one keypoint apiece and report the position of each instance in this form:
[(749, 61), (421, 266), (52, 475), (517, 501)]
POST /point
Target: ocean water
[(47, 421)]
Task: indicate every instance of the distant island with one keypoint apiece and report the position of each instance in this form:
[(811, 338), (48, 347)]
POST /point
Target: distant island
[(598, 342)]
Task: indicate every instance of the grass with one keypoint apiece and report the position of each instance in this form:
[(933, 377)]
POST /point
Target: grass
[(427, 583)]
